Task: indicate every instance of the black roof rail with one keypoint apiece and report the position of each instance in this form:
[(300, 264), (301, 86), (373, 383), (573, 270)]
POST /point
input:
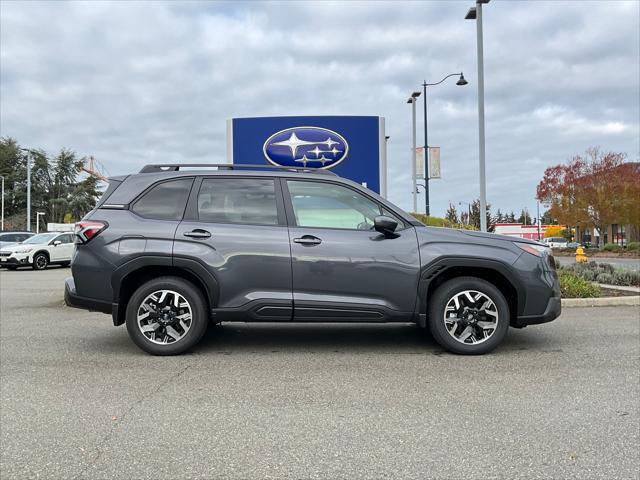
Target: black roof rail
[(174, 167)]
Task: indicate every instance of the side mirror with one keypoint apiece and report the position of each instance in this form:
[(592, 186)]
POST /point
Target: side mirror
[(56, 243), (385, 225)]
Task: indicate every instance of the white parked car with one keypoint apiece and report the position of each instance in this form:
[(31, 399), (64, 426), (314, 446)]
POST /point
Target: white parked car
[(556, 242), (39, 251)]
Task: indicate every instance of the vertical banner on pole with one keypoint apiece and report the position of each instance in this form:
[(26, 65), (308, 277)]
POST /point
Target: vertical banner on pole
[(420, 162), (434, 162)]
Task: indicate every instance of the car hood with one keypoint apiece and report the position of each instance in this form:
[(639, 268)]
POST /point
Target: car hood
[(455, 235)]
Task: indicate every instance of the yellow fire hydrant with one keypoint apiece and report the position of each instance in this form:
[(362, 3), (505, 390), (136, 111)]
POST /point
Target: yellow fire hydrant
[(580, 256)]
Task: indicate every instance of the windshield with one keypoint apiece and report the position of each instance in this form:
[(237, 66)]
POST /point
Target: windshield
[(41, 238)]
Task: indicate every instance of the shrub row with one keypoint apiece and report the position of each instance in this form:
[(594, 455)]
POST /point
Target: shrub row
[(603, 273)]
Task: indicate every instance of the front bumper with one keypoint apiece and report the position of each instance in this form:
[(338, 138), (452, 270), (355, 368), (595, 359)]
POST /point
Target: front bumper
[(551, 312), (15, 261), (72, 299)]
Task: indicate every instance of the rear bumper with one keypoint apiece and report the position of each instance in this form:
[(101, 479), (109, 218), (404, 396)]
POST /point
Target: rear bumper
[(72, 299)]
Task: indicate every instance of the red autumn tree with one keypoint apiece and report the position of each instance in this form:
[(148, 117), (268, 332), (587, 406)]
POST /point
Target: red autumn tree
[(595, 189)]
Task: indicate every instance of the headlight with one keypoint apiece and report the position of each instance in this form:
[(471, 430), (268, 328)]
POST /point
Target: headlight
[(23, 250), (533, 249)]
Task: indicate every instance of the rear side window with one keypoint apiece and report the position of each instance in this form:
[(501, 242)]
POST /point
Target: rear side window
[(238, 200), (165, 201)]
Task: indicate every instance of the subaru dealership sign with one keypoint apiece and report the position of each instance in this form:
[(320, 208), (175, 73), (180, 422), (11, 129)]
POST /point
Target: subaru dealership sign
[(352, 147)]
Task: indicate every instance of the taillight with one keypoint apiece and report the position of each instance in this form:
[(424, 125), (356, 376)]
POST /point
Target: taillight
[(88, 229)]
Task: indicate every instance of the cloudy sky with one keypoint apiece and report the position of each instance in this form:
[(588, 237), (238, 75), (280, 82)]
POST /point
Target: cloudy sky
[(132, 83)]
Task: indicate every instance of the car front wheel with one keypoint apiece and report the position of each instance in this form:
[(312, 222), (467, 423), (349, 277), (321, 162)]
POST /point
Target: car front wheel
[(40, 261), (468, 315), (166, 316)]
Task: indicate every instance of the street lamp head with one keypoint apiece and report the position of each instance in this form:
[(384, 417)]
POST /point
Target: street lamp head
[(471, 14), (415, 94), (461, 81)]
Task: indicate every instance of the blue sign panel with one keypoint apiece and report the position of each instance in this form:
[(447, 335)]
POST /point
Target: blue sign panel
[(352, 147)]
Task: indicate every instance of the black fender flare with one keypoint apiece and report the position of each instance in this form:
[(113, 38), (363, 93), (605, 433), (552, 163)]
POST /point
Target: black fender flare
[(46, 252), (194, 267), (430, 272)]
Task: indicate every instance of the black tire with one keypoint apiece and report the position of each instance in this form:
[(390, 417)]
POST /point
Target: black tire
[(40, 261), (199, 315), (438, 302)]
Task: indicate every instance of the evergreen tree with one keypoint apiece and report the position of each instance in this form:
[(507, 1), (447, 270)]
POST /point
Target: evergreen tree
[(452, 214)]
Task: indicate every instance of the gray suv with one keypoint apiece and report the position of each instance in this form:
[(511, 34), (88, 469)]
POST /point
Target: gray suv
[(175, 247)]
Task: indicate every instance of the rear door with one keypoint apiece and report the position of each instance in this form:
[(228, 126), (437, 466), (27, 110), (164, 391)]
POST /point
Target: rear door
[(236, 228), (343, 270)]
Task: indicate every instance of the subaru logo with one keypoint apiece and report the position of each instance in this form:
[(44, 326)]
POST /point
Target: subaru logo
[(306, 146)]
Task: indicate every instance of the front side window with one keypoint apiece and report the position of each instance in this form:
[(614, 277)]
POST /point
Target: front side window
[(327, 205), (238, 200), (165, 201)]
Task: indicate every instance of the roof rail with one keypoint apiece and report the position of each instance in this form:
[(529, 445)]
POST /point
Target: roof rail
[(174, 167)]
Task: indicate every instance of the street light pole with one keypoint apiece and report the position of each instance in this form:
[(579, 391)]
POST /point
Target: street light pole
[(412, 101), (2, 221), (29, 153), (476, 13), (460, 82), (38, 221)]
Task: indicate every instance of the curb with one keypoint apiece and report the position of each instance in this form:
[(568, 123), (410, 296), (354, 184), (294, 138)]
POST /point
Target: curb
[(630, 301)]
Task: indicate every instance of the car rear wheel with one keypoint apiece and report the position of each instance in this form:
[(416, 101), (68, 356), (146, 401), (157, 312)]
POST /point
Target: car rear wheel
[(468, 315), (40, 261), (166, 316)]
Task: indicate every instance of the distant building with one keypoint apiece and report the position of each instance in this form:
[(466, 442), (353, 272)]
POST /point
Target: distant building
[(519, 230)]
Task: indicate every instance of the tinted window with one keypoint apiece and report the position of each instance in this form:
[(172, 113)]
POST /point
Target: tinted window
[(165, 201), (332, 206), (238, 200)]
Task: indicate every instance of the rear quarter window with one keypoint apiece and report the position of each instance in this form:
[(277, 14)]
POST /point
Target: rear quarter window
[(164, 201)]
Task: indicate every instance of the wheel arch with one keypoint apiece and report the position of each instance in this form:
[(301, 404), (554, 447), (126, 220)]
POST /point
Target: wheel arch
[(46, 253), (127, 278), (495, 272)]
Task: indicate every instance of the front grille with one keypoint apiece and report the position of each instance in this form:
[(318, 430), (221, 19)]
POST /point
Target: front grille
[(4, 254)]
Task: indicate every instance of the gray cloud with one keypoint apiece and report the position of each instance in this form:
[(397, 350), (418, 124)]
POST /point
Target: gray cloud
[(133, 83)]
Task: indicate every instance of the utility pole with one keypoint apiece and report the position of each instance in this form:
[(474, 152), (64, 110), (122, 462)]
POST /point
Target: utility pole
[(475, 13)]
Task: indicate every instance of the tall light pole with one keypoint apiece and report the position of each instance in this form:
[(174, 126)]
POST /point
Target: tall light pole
[(461, 81), (2, 221), (38, 221), (475, 13), (412, 101), (29, 154)]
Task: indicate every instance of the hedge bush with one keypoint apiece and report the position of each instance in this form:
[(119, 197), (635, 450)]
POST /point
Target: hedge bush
[(572, 286), (612, 247), (633, 246)]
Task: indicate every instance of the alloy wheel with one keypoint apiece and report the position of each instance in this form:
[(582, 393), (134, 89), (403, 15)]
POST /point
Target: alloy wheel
[(164, 317), (471, 317)]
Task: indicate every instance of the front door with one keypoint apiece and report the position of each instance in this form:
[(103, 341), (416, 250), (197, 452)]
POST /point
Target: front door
[(343, 270), (235, 227)]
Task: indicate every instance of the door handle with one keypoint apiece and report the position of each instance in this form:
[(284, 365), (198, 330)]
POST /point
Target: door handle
[(308, 240), (197, 233)]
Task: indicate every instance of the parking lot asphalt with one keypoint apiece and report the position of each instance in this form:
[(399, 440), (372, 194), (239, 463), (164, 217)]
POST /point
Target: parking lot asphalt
[(79, 400)]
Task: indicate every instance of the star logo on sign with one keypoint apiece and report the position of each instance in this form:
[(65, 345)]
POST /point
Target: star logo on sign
[(328, 142), (294, 143)]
